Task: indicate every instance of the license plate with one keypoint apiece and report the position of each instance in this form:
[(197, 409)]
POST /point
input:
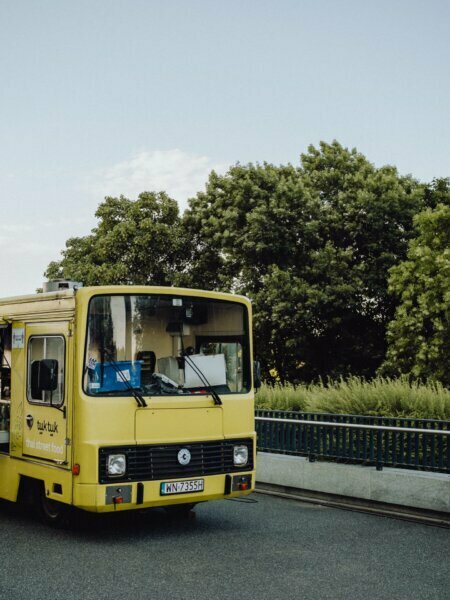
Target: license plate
[(182, 487)]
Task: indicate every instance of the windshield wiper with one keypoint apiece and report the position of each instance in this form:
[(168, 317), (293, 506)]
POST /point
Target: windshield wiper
[(137, 395), (200, 374)]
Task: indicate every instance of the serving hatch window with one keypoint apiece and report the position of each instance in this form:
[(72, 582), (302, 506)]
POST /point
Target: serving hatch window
[(166, 345)]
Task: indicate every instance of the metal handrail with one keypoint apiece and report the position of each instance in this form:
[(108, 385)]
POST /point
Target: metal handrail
[(355, 425)]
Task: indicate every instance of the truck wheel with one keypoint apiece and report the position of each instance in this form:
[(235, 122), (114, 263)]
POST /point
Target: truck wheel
[(50, 511)]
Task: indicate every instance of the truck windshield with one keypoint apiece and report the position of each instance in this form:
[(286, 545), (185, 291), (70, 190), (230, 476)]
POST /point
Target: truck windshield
[(166, 345)]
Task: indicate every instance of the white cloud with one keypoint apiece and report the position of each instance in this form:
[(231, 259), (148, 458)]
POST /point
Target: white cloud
[(178, 173)]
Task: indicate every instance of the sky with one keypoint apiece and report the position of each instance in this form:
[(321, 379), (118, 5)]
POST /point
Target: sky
[(122, 96)]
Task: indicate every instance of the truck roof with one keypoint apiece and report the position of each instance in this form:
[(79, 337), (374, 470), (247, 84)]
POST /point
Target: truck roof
[(61, 304), (34, 307)]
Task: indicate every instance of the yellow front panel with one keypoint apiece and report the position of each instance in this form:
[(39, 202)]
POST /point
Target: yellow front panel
[(173, 425)]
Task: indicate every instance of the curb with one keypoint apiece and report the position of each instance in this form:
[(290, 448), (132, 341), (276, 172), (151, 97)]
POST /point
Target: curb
[(393, 511)]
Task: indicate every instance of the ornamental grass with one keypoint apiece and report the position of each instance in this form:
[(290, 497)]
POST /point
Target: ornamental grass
[(382, 396)]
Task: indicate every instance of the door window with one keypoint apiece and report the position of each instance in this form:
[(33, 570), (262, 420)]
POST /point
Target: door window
[(42, 348)]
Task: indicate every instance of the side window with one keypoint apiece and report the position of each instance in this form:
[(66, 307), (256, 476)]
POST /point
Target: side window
[(46, 353)]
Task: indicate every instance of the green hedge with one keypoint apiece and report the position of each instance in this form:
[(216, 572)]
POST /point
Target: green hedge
[(381, 397)]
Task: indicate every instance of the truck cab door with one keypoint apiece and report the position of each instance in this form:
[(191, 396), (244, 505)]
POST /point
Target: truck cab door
[(48, 392)]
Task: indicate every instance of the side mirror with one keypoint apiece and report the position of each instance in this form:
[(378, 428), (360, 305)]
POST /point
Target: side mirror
[(44, 376), (256, 374)]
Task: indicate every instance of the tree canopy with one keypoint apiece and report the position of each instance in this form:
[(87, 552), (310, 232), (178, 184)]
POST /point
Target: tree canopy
[(419, 335), (135, 242), (312, 245)]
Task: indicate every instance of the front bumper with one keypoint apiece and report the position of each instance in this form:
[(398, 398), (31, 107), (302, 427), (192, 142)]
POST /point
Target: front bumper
[(146, 494)]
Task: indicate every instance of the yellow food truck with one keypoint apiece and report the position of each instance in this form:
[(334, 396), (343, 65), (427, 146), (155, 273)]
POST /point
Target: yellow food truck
[(125, 397)]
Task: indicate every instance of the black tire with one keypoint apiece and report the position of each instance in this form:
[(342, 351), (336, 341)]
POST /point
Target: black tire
[(51, 512)]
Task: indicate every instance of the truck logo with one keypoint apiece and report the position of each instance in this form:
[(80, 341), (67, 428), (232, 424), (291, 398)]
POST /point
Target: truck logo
[(184, 456), (30, 421), (51, 428)]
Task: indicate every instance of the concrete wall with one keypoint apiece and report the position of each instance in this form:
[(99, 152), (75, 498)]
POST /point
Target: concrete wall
[(416, 489)]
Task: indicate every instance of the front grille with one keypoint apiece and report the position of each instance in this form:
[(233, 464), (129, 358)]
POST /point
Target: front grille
[(147, 463)]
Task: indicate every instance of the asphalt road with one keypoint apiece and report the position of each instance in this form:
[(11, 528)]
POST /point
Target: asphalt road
[(272, 548)]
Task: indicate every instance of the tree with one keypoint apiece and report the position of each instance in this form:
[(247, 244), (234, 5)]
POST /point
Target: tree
[(419, 335), (241, 224), (135, 242), (312, 246)]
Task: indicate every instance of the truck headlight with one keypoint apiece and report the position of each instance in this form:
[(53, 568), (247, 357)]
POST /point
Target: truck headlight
[(117, 465), (240, 455)]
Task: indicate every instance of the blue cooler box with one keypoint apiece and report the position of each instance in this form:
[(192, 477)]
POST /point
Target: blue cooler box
[(115, 375)]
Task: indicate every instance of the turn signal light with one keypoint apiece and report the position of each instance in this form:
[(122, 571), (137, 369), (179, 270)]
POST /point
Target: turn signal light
[(118, 500), (76, 469), (243, 486)]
